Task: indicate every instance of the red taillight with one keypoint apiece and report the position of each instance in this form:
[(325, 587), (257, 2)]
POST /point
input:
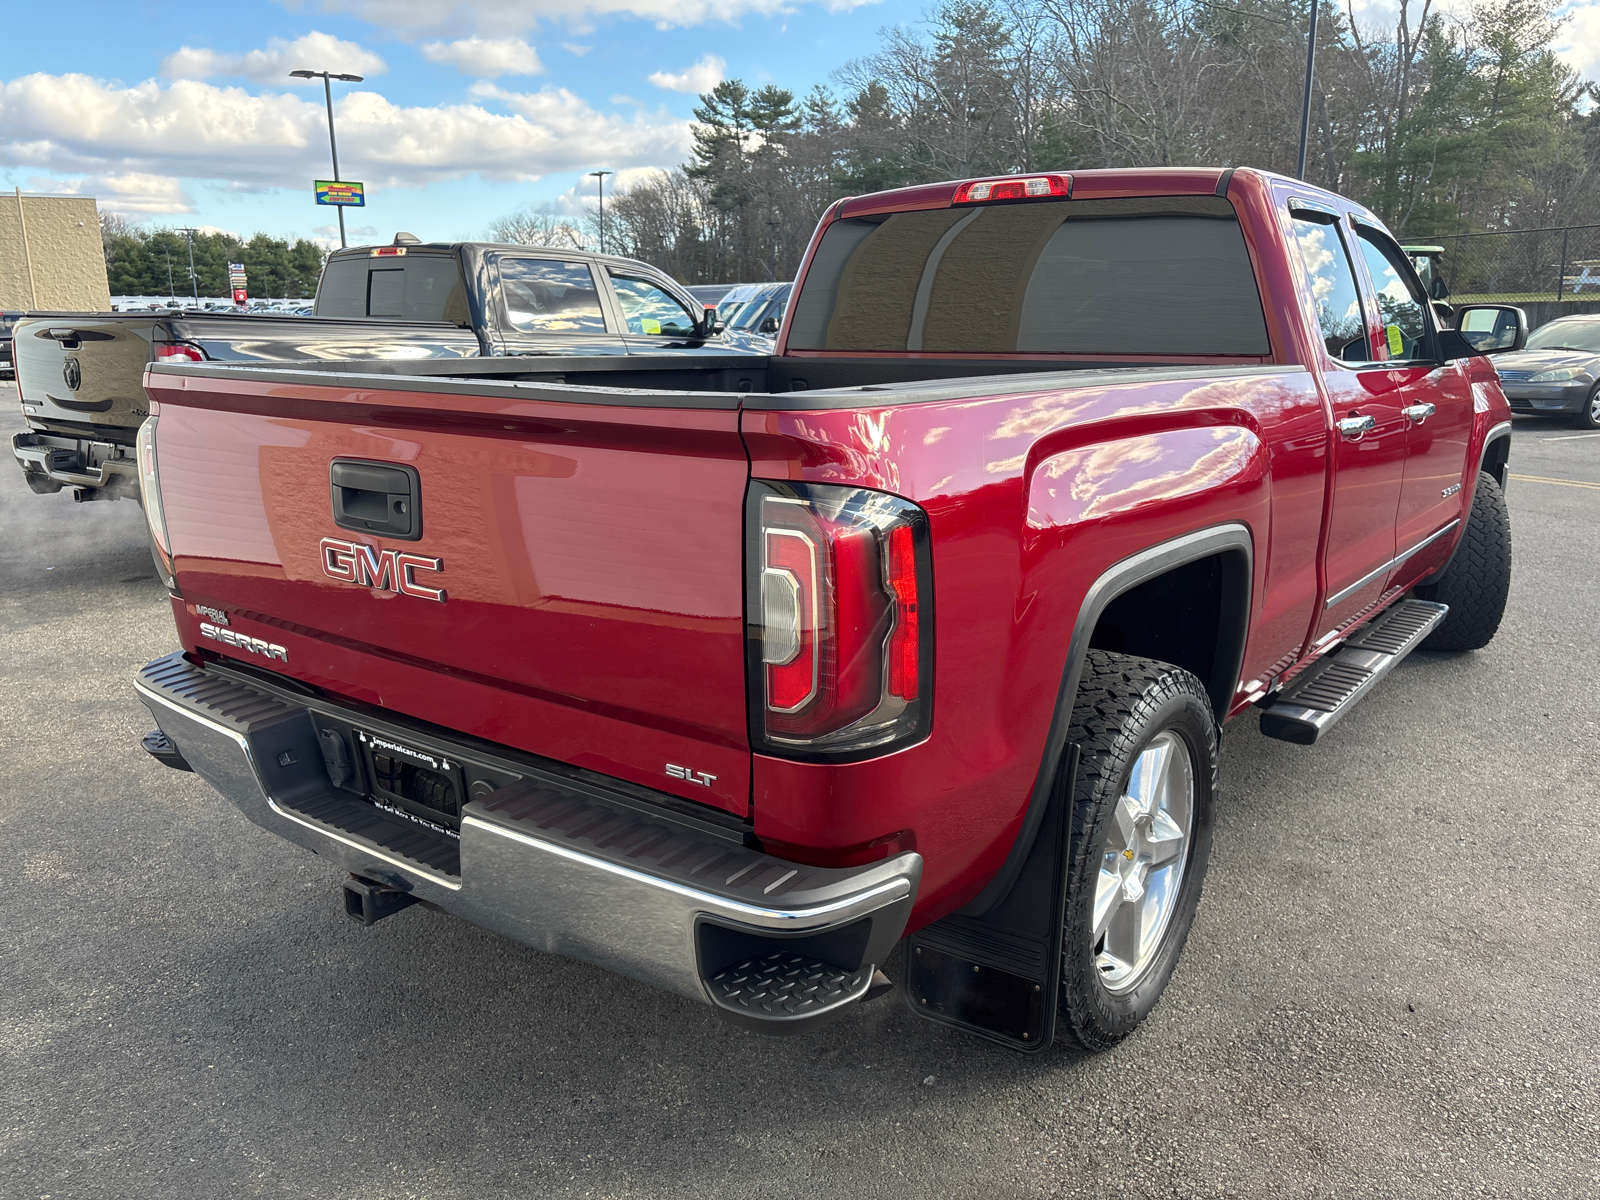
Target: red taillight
[(178, 352), (1013, 187), (389, 252), (839, 644), (906, 640)]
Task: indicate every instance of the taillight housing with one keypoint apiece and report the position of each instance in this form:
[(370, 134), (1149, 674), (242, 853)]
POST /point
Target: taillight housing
[(840, 621), (178, 352), (150, 498), (1013, 187)]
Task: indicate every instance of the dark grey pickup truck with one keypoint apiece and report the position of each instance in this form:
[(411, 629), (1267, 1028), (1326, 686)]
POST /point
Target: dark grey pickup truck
[(79, 375)]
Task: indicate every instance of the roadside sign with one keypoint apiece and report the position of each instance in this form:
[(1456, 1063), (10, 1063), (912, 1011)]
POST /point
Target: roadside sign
[(341, 192), (240, 296)]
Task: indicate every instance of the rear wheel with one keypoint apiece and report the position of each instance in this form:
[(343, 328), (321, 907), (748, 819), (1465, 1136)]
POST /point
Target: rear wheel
[(1478, 580), (1141, 839)]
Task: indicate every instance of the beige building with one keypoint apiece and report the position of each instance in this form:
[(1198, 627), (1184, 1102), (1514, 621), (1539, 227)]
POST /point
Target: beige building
[(50, 254)]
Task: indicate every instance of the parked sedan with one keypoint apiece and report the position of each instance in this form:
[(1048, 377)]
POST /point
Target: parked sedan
[(1558, 372)]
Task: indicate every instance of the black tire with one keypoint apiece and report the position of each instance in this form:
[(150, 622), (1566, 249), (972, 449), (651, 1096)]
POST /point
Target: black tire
[(1589, 415), (1478, 580), (1124, 704)]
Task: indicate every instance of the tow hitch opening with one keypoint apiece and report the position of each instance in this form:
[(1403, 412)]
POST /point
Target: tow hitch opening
[(366, 902)]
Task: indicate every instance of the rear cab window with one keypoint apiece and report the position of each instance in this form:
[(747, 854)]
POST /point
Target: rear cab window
[(397, 287), (1136, 276), (547, 295), (1331, 277)]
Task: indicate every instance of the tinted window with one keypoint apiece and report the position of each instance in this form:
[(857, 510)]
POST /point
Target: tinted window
[(1333, 288), (1405, 326), (651, 309), (546, 296), (1140, 276), (416, 287)]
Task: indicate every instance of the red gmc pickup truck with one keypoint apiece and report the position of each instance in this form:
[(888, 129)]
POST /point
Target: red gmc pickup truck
[(730, 674)]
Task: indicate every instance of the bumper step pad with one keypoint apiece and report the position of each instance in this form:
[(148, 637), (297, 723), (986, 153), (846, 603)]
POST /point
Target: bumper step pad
[(1312, 703), (783, 986)]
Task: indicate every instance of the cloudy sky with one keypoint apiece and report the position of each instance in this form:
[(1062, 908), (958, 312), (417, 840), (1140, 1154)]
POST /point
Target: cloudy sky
[(183, 113)]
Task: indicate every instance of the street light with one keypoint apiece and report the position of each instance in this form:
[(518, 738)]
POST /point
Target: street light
[(600, 178), (1305, 103), (327, 91), (194, 280)]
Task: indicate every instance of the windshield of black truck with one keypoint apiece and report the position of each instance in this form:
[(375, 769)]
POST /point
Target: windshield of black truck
[(1169, 275), (412, 287)]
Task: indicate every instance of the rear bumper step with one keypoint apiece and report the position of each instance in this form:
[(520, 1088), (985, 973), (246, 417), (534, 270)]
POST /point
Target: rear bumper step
[(561, 864), (1312, 703), (77, 462)]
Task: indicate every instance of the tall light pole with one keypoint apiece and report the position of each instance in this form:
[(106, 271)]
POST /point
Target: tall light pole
[(327, 92), (194, 280), (1305, 104), (600, 182)]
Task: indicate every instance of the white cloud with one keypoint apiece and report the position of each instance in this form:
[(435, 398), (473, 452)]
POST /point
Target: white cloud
[(1579, 43), (133, 193), (75, 124), (488, 58), (582, 197), (313, 52), (504, 17), (701, 77), (576, 50)]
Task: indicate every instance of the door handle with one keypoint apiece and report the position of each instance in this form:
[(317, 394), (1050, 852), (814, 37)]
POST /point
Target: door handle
[(1419, 412), (1354, 426)]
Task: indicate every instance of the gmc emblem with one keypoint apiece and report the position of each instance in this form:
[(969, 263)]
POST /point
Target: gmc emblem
[(386, 570)]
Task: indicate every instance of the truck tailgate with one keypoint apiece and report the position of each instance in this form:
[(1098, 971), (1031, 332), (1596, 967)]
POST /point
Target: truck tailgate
[(589, 562), (84, 367)]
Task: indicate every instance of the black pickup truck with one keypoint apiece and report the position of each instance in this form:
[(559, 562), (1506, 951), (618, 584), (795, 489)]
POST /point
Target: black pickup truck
[(79, 375)]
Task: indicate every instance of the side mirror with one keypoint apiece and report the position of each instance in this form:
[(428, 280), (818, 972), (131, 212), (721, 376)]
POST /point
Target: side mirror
[(709, 325), (1492, 328), (769, 325)]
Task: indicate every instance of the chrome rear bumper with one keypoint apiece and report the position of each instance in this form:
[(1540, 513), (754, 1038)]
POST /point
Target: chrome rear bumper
[(559, 861)]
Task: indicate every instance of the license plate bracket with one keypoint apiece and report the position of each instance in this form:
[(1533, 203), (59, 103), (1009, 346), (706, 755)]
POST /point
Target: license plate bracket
[(420, 783)]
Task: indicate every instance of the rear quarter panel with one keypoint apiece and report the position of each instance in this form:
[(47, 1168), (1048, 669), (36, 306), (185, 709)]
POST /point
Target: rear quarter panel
[(1030, 497)]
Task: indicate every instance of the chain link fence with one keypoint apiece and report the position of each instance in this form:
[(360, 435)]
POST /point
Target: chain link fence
[(1519, 267)]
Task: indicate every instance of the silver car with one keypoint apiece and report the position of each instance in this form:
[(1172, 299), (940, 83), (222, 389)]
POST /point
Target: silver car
[(1558, 372)]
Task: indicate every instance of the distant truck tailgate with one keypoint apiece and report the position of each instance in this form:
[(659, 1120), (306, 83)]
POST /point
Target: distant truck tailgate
[(571, 586)]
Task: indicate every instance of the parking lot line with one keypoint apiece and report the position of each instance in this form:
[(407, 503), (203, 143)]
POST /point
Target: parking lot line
[(1570, 437), (1577, 483)]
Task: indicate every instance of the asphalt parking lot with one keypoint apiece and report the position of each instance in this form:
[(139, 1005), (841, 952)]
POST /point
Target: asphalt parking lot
[(1391, 990)]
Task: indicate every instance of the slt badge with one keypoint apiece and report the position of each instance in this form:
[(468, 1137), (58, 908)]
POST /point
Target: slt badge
[(386, 570)]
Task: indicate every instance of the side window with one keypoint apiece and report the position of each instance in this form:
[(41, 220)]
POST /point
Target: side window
[(1333, 287), (1400, 303), (544, 295), (649, 309)]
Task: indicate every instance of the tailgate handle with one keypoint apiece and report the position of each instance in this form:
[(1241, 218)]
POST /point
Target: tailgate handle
[(380, 498), (66, 335)]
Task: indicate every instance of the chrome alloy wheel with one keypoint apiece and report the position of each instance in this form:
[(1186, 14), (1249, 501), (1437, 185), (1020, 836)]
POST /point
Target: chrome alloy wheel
[(1594, 408), (1141, 871)]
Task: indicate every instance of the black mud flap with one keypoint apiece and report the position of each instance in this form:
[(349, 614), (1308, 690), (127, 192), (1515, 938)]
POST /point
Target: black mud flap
[(999, 975)]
